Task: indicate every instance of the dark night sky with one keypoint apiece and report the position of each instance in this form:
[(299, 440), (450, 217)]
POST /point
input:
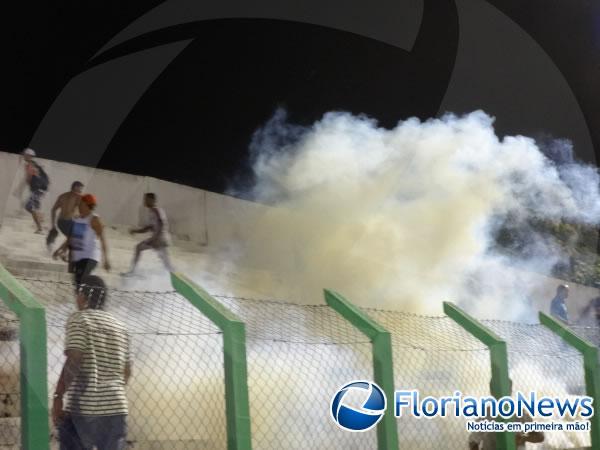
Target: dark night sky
[(203, 109)]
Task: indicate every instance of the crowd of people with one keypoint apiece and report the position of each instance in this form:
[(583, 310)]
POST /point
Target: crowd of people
[(589, 316), (73, 214), (89, 404)]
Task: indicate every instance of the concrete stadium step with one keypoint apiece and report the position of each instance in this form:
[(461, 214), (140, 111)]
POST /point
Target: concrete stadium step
[(22, 230)]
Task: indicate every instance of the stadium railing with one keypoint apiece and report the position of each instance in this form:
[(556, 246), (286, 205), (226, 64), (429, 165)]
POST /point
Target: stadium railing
[(35, 433)]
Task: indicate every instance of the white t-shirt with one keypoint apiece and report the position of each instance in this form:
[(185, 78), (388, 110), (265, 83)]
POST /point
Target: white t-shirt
[(153, 221)]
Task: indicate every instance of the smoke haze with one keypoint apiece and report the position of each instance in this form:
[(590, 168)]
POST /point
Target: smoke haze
[(406, 218)]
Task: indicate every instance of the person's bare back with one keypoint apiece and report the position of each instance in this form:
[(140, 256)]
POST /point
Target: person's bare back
[(68, 203)]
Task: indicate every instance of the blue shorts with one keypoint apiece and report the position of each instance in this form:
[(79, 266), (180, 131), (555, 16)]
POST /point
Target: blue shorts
[(34, 202)]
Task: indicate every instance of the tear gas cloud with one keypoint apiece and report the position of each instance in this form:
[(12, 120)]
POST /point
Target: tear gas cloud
[(405, 218)]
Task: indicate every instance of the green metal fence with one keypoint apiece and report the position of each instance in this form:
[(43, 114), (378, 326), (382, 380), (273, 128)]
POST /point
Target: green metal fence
[(205, 364), (383, 364), (33, 364), (176, 393), (234, 348), (590, 364), (500, 385)]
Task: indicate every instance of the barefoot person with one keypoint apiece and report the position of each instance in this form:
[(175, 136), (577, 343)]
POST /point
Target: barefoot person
[(159, 241), (68, 204), (87, 242), (38, 183)]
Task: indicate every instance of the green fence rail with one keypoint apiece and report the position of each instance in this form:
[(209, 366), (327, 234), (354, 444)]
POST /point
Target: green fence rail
[(237, 406), (590, 367), (500, 385), (383, 365), (35, 433)]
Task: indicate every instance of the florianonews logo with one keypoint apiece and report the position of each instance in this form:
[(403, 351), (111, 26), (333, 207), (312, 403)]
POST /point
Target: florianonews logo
[(360, 418)]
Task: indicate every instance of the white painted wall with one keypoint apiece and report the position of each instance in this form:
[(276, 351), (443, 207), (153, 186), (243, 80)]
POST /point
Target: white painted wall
[(220, 221), (119, 195)]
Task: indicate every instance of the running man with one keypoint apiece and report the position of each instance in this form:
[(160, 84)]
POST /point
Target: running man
[(68, 203), (94, 377), (38, 183), (159, 240), (87, 242)]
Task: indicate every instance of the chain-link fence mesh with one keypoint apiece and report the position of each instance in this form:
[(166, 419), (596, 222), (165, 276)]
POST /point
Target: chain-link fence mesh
[(298, 356), (437, 357), (176, 393), (541, 361), (10, 408)]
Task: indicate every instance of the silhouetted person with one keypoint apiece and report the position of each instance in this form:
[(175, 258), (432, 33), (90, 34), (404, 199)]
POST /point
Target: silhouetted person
[(38, 183), (558, 306)]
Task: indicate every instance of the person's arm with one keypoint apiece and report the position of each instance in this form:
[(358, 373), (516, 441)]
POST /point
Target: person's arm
[(18, 192), (75, 344), (57, 205), (69, 371), (60, 250), (140, 230), (99, 229), (128, 364)]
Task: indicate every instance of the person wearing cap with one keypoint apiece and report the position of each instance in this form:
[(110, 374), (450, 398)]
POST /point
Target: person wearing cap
[(37, 180), (87, 242), (67, 203), (90, 404)]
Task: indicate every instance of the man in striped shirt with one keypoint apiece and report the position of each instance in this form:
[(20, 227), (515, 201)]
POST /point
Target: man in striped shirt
[(98, 366)]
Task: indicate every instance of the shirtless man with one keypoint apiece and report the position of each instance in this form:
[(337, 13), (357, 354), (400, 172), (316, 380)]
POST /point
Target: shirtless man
[(159, 241), (68, 203)]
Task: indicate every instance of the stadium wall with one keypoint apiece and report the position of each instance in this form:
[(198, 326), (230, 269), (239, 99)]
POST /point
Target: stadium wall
[(120, 200), (204, 217)]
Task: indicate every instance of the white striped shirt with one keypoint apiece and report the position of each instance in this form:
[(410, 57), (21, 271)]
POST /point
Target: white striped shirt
[(99, 387)]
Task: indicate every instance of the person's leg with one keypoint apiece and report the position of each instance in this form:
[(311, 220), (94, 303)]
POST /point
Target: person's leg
[(33, 206), (112, 433), (144, 245), (83, 267), (68, 436), (87, 430), (65, 225), (163, 254)]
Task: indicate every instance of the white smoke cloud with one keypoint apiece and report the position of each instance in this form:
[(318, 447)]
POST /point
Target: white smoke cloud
[(405, 217)]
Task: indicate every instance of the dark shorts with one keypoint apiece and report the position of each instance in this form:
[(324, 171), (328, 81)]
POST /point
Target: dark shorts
[(34, 201), (82, 268), (65, 226), (88, 432)]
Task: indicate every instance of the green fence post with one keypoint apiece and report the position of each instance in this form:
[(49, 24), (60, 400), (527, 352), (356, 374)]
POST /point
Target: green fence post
[(500, 383), (237, 406), (590, 367), (383, 365), (35, 432)]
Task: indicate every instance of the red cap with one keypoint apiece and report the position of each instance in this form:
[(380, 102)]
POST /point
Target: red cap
[(89, 199)]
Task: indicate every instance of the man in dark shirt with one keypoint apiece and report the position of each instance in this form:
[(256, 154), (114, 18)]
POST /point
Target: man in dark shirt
[(558, 306)]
